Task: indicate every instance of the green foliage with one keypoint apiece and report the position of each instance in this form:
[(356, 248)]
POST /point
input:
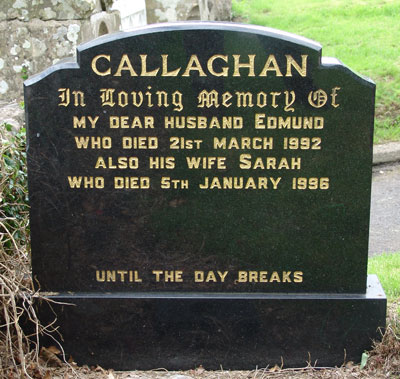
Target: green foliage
[(363, 34), (364, 360), (13, 188), (387, 129), (24, 72), (387, 267)]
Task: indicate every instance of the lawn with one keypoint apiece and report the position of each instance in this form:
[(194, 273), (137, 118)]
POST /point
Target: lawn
[(363, 34), (387, 267)]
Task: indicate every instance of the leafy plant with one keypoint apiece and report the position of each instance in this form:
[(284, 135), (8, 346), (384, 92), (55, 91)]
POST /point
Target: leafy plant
[(24, 72), (13, 187)]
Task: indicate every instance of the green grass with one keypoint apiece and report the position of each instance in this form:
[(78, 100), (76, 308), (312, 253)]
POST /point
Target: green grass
[(387, 267), (363, 34)]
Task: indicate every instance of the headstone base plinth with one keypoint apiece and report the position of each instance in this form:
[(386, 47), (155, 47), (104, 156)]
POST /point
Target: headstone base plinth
[(126, 331)]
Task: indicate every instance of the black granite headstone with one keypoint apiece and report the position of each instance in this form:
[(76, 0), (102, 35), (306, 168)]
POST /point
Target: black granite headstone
[(201, 192)]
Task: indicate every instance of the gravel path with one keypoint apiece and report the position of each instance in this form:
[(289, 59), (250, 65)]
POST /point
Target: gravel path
[(384, 233)]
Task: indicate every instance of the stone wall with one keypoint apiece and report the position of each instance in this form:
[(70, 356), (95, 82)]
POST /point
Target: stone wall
[(133, 13), (26, 10), (185, 10), (216, 10), (35, 34)]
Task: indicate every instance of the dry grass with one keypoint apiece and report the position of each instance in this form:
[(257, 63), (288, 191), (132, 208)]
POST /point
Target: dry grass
[(16, 287), (20, 359), (19, 353)]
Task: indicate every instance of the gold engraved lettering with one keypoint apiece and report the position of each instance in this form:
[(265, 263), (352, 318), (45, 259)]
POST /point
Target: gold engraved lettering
[(199, 276), (101, 163), (257, 143), (210, 276), (117, 275), (125, 65), (177, 101), (81, 123), (168, 276), (224, 71), (93, 121), (122, 274), (271, 61), (111, 275), (288, 102), (206, 163), (79, 97), (162, 163), (253, 276), (274, 277), (242, 277), (285, 123), (245, 98), (239, 183), (288, 122), (202, 122), (117, 163), (274, 95), (86, 182), (144, 72), (194, 65), (275, 182), (148, 94), (94, 65), (134, 100), (133, 182), (246, 162), (290, 62), (178, 276), (258, 123), (162, 95), (93, 142), (310, 183), (168, 183), (303, 143), (122, 99), (64, 97), (138, 98), (165, 67), (286, 277), (261, 99), (134, 277), (101, 65), (238, 65), (107, 97), (263, 276), (298, 276), (222, 275), (226, 96), (140, 143), (317, 99), (100, 275), (184, 143), (123, 122), (208, 99), (333, 96), (158, 274)]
